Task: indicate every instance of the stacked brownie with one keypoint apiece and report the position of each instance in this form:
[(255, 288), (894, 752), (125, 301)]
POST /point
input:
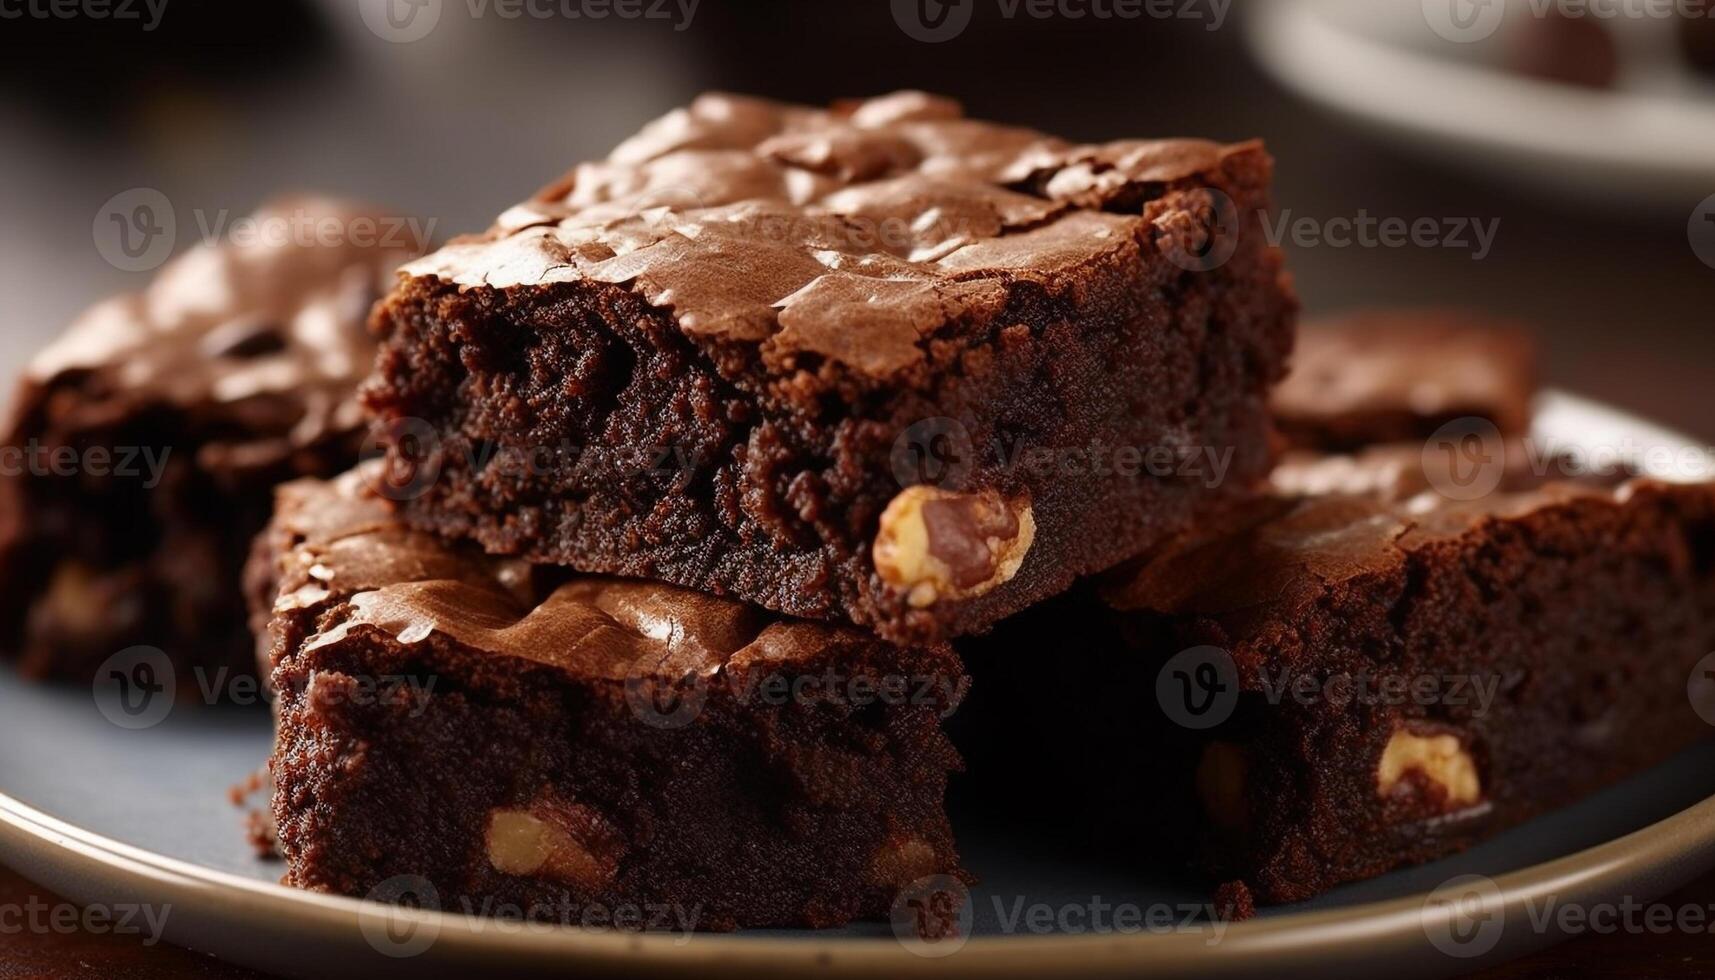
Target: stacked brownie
[(778, 367), (804, 358)]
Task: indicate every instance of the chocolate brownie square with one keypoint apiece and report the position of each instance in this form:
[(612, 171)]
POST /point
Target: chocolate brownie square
[(526, 738), (1335, 686), (145, 442), (879, 363), (1383, 376)]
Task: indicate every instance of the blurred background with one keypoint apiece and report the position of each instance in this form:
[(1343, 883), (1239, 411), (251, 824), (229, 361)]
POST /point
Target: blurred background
[(1466, 152)]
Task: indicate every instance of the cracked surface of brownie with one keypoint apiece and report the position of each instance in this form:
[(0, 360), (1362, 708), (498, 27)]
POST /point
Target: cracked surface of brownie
[(148, 437), (848, 364), (523, 737)]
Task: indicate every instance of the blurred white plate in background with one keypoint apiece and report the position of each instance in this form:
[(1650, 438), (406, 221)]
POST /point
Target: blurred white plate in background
[(1395, 65)]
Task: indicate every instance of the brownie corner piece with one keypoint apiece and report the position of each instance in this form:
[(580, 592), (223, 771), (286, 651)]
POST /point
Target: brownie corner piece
[(143, 443), (583, 749), (847, 364)]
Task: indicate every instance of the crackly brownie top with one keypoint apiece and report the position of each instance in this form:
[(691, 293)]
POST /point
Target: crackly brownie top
[(1425, 363), (275, 311), (851, 233), (1267, 558), (345, 551)]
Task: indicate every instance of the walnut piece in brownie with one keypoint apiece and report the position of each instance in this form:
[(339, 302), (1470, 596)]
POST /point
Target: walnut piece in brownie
[(568, 745), (1399, 375), (147, 438), (848, 364), (1469, 664)]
